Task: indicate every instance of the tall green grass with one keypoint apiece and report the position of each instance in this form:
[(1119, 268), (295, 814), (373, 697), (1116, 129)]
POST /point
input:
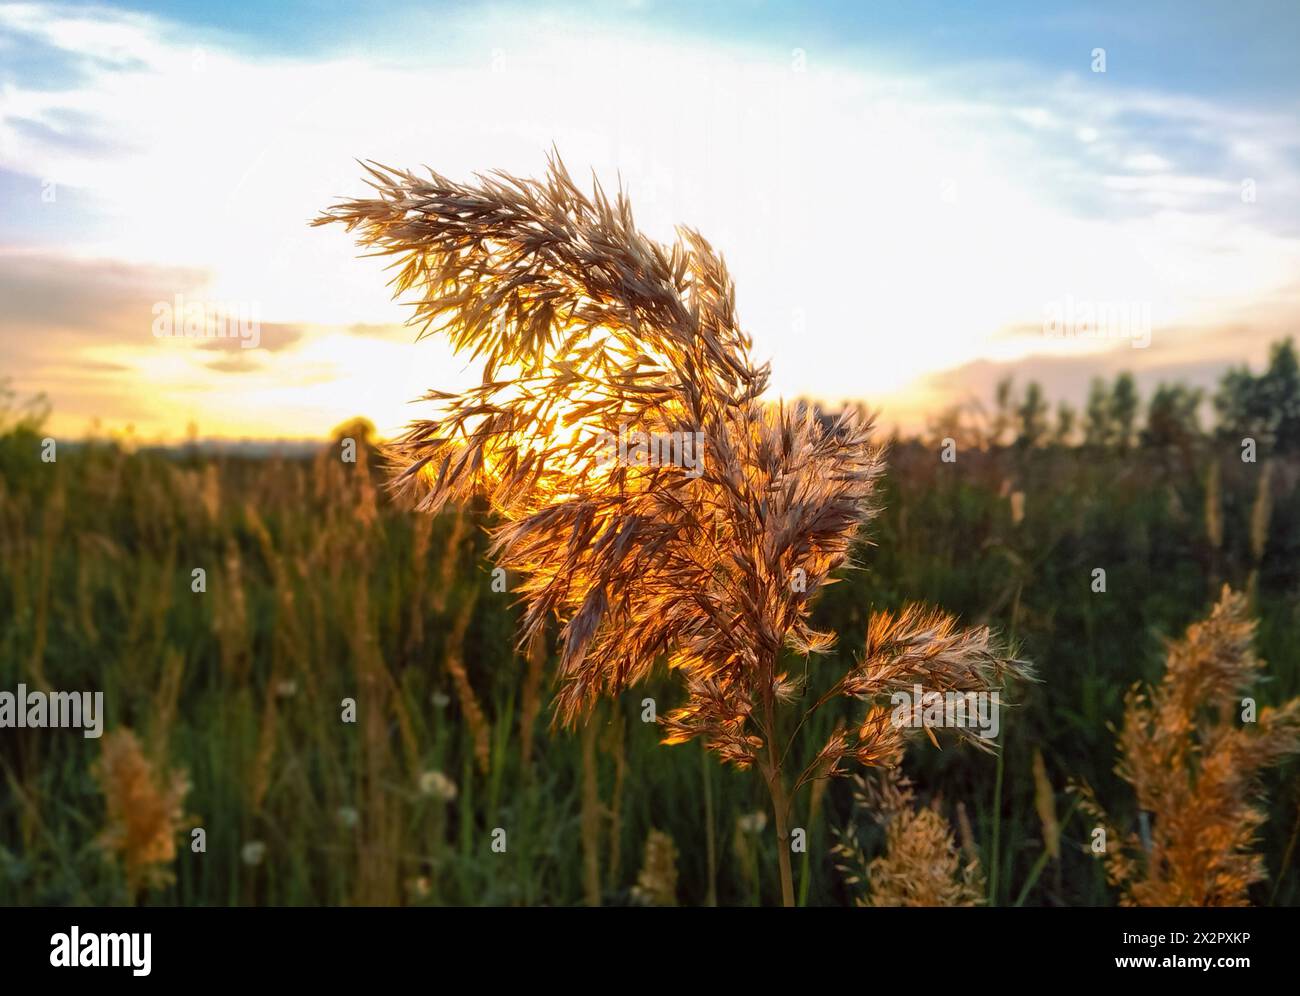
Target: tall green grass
[(319, 590)]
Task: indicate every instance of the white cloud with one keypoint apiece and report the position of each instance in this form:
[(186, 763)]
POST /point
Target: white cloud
[(879, 227), (1148, 162)]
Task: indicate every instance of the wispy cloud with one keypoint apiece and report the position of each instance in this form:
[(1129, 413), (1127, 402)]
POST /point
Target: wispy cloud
[(884, 226)]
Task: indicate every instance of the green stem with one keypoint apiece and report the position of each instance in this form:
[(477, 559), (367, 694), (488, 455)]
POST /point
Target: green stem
[(776, 787)]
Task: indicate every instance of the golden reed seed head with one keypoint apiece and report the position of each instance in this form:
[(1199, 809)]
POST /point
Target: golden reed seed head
[(921, 864), (587, 328), (1194, 750), (144, 811)]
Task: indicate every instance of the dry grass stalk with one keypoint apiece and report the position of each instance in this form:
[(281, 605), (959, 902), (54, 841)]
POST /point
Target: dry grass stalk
[(378, 872), (656, 885), (166, 701), (746, 828), (421, 534), (1196, 772), (144, 811), (450, 559), (262, 766), (587, 329), (91, 550), (531, 697), (1214, 505), (230, 616), (1261, 512), (480, 727), (966, 834), (51, 525), (1045, 804)]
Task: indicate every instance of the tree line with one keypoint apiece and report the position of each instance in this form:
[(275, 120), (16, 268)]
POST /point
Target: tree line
[(1264, 407)]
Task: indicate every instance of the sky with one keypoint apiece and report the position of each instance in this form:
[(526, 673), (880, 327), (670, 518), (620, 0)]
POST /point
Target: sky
[(915, 199)]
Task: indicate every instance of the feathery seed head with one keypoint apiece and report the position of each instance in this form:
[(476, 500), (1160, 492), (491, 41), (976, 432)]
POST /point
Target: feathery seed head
[(585, 328)]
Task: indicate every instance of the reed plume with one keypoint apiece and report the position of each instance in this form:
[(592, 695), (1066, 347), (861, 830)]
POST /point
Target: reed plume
[(1195, 772), (921, 864), (587, 329), (144, 811)]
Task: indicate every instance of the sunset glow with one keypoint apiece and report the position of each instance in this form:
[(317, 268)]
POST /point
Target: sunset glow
[(898, 228)]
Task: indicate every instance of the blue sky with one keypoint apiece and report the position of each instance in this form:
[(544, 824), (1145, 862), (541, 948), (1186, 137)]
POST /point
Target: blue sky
[(904, 191), (1246, 50)]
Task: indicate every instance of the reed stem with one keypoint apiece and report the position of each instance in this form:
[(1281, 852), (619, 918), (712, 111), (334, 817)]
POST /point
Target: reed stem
[(780, 808)]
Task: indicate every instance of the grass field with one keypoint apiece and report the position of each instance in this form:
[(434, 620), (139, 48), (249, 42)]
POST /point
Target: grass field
[(318, 590)]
